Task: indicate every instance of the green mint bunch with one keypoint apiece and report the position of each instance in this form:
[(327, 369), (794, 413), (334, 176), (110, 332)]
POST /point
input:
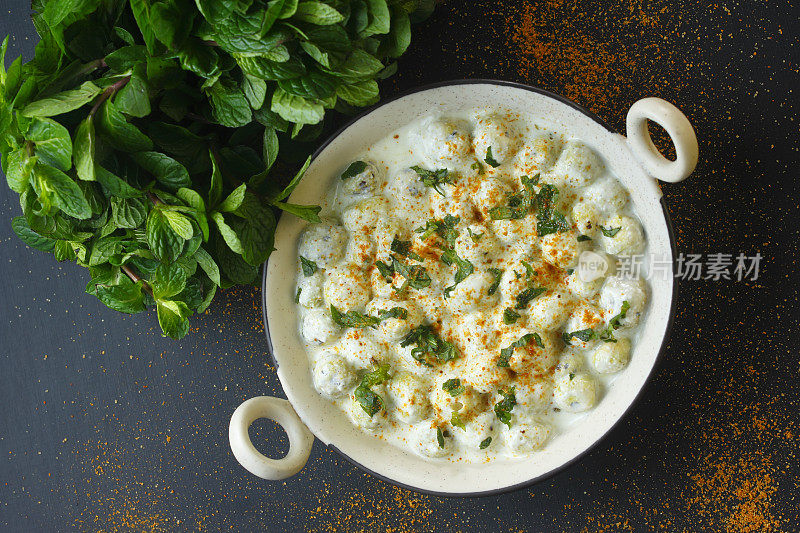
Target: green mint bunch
[(143, 137)]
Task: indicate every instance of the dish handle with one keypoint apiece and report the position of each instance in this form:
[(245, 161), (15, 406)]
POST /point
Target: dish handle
[(281, 412), (680, 131)]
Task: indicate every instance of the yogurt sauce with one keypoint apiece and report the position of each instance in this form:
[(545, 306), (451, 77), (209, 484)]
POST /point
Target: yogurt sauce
[(448, 302)]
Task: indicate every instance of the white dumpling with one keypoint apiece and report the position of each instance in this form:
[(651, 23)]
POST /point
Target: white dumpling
[(615, 292), (550, 310), (454, 204), (476, 430), (538, 155), (445, 142), (530, 358), (424, 439), (444, 403), (394, 329), (478, 245), (360, 250), (533, 396), (492, 192), (587, 217), (318, 327), (407, 395), (622, 236), (360, 350), (525, 436), (607, 194), (480, 370), (409, 196), (362, 185), (323, 243), (578, 165), (346, 288), (491, 132), (363, 216), (310, 290), (361, 418), (562, 249), (611, 357), (575, 393), (584, 317), (331, 375)]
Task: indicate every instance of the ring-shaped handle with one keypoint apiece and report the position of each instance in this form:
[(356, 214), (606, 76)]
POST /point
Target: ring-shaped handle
[(281, 412), (680, 131)]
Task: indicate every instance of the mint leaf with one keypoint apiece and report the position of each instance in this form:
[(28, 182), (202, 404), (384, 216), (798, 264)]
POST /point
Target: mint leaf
[(453, 387), (354, 169), (503, 408), (491, 161), (63, 102), (84, 150), (609, 232), (52, 142), (165, 244)]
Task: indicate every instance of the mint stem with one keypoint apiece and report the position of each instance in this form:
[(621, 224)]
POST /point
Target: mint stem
[(110, 90), (135, 278)]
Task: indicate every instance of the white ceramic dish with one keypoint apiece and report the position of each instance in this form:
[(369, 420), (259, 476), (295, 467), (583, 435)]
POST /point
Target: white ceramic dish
[(634, 160)]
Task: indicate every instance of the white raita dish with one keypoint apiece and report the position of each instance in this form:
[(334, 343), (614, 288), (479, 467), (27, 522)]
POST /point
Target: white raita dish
[(466, 231), (636, 164)]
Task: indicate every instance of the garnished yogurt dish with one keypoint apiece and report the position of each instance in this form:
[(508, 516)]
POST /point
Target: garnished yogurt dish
[(461, 297)]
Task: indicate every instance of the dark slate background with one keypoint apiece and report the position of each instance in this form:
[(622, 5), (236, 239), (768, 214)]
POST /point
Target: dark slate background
[(106, 426)]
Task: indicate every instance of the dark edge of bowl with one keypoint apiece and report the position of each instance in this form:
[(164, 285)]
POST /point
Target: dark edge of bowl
[(659, 356)]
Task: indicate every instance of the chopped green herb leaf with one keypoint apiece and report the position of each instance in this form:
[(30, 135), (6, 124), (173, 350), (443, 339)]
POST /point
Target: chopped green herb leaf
[(478, 166), (585, 335), (518, 206), (497, 273), (485, 443), (429, 345), (607, 335), (394, 312), (354, 319), (490, 160), (571, 376), (463, 269), (386, 271), (444, 228), (510, 316), (371, 402), (309, 267), (297, 296), (527, 295), (530, 272), (508, 351), (548, 220), (582, 238), (404, 248), (615, 320), (433, 178), (504, 407), (453, 386), (610, 232), (455, 420), (355, 168), (440, 437), (475, 236), (415, 276)]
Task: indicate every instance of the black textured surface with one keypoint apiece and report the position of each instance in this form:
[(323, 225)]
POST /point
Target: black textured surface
[(107, 426)]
